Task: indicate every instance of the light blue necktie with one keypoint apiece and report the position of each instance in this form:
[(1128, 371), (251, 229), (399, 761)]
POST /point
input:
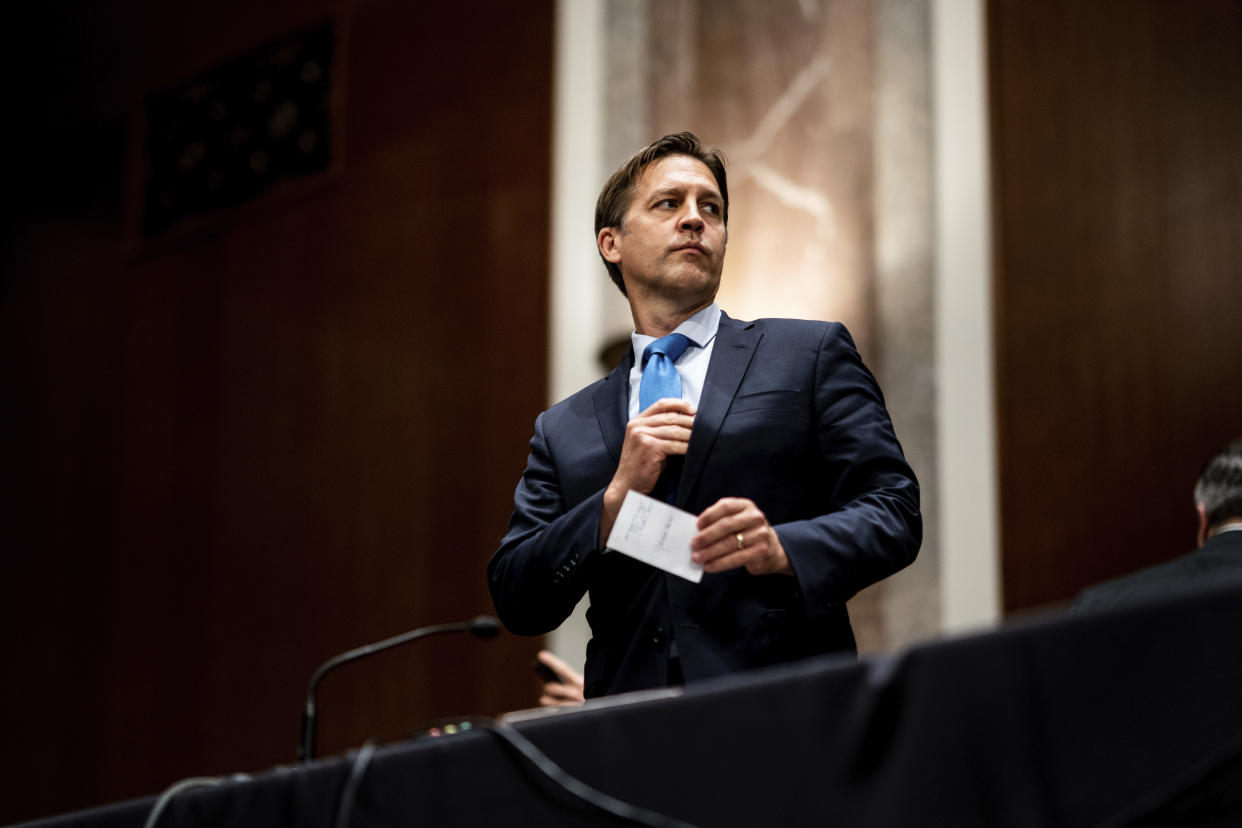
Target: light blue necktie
[(660, 377)]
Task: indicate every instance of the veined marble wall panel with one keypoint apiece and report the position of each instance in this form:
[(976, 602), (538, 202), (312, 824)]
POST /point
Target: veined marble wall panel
[(786, 89), (822, 109), (905, 294)]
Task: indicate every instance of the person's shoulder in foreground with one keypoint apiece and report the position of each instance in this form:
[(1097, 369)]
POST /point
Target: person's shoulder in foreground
[(1216, 562)]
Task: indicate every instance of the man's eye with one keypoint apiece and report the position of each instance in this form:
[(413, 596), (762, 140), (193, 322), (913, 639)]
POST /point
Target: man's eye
[(714, 209), (667, 202)]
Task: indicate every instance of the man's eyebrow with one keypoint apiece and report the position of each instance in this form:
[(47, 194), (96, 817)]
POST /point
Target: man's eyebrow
[(677, 191)]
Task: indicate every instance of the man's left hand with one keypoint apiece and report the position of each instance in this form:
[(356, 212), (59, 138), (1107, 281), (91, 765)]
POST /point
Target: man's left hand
[(734, 532)]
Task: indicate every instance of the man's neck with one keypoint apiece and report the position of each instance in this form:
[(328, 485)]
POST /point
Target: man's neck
[(662, 318)]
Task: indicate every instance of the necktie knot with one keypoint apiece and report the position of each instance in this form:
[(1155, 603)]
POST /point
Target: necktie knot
[(660, 378), (671, 346)]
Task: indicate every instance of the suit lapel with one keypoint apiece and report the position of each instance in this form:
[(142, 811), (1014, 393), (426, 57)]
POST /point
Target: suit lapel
[(735, 347), (612, 405)]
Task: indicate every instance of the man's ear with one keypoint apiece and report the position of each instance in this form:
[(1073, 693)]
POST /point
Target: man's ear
[(609, 243), (1203, 526)]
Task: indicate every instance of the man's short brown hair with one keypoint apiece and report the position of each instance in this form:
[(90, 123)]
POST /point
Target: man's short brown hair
[(614, 200)]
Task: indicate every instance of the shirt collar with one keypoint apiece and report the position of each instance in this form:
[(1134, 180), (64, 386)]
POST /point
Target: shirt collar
[(700, 329), (1232, 526)]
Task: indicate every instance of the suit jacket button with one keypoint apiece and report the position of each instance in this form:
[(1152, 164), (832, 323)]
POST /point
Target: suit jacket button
[(657, 638)]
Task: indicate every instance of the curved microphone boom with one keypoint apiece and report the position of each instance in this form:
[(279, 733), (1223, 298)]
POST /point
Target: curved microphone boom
[(483, 626)]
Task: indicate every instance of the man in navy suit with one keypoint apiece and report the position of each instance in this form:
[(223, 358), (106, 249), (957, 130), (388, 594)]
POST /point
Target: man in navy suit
[(779, 442)]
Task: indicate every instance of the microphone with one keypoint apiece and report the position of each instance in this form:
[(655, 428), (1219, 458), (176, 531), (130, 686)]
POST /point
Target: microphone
[(482, 627)]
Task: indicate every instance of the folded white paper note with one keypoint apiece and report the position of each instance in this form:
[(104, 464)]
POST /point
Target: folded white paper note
[(656, 533)]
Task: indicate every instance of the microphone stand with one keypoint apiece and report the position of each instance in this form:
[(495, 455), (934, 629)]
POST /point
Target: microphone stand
[(483, 627)]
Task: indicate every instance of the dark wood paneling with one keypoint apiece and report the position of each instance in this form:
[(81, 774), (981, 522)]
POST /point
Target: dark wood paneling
[(1116, 129), (285, 432)]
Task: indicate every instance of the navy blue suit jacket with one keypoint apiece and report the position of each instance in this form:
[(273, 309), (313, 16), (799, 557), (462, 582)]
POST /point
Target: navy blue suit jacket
[(790, 418)]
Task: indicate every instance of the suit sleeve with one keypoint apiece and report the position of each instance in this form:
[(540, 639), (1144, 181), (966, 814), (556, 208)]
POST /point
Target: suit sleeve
[(871, 525), (540, 572)]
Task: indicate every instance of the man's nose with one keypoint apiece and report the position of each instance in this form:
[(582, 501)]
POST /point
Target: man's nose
[(691, 220)]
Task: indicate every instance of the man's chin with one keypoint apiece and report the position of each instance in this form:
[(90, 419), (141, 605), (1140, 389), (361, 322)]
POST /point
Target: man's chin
[(695, 274), (691, 285)]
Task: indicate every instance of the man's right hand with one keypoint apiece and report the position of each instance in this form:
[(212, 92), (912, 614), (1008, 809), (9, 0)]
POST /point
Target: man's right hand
[(567, 690), (650, 439)]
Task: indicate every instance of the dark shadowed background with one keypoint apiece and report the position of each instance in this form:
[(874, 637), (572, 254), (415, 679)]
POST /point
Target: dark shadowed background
[(272, 432)]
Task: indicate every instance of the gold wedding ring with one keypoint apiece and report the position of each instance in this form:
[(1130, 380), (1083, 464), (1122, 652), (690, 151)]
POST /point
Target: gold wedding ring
[(741, 540)]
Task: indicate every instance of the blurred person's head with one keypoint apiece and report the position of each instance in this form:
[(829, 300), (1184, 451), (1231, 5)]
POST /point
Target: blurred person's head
[(1218, 494)]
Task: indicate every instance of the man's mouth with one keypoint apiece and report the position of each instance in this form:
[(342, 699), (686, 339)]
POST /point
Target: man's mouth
[(692, 246)]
